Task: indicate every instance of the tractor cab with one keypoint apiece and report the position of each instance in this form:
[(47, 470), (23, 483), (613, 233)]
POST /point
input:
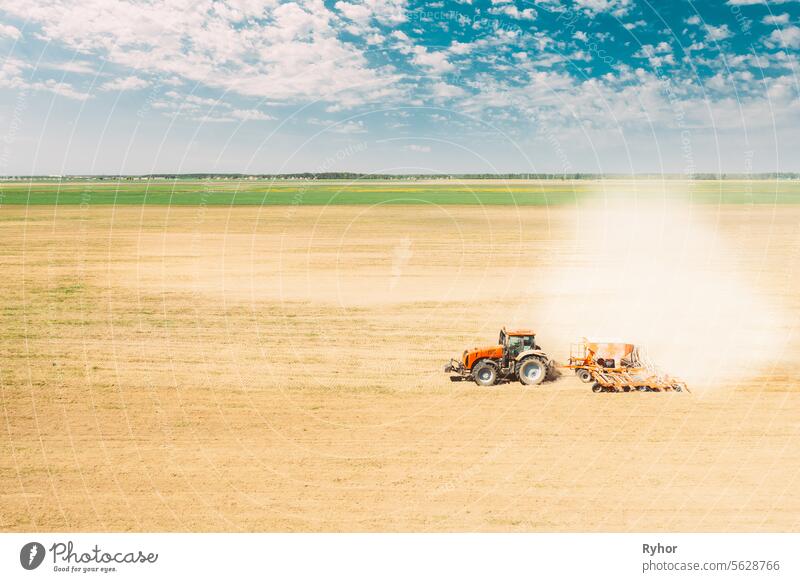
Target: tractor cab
[(516, 342)]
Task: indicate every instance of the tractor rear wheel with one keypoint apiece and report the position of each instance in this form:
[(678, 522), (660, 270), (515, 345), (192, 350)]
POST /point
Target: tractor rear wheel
[(485, 374), (532, 371), (584, 375)]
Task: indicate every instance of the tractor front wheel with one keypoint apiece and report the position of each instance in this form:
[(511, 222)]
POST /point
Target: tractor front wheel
[(532, 371), (485, 374)]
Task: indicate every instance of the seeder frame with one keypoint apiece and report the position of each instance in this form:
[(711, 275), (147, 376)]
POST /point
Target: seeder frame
[(637, 376)]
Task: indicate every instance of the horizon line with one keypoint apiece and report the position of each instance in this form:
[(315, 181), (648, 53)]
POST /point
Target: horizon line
[(374, 175)]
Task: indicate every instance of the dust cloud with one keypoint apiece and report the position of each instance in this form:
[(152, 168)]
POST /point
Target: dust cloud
[(660, 274)]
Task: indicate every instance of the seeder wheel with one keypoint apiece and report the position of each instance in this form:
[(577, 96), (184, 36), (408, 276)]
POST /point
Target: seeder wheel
[(596, 388)]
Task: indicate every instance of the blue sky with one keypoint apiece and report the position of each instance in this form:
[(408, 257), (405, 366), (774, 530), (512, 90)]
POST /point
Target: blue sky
[(112, 86)]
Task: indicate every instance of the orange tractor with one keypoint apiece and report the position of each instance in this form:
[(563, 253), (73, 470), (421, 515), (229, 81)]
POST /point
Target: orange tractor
[(619, 367), (515, 357)]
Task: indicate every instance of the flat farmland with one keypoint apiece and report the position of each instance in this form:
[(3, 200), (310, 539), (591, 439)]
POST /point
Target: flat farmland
[(264, 192), (279, 368)]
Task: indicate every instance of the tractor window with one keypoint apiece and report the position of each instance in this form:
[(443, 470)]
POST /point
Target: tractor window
[(514, 345), (528, 342)]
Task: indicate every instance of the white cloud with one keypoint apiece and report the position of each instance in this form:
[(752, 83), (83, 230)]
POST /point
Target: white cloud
[(632, 25), (658, 54), (580, 35), (616, 8), (131, 83), (715, 33), (355, 12), (8, 31), (662, 48), (59, 88), (193, 100), (177, 106), (631, 98), (435, 61), (788, 37), (513, 12), (11, 71), (776, 19), (443, 91), (211, 117), (648, 50), (387, 12), (206, 109), (281, 51), (348, 126), (80, 67), (12, 76), (461, 48), (418, 148), (250, 115)]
